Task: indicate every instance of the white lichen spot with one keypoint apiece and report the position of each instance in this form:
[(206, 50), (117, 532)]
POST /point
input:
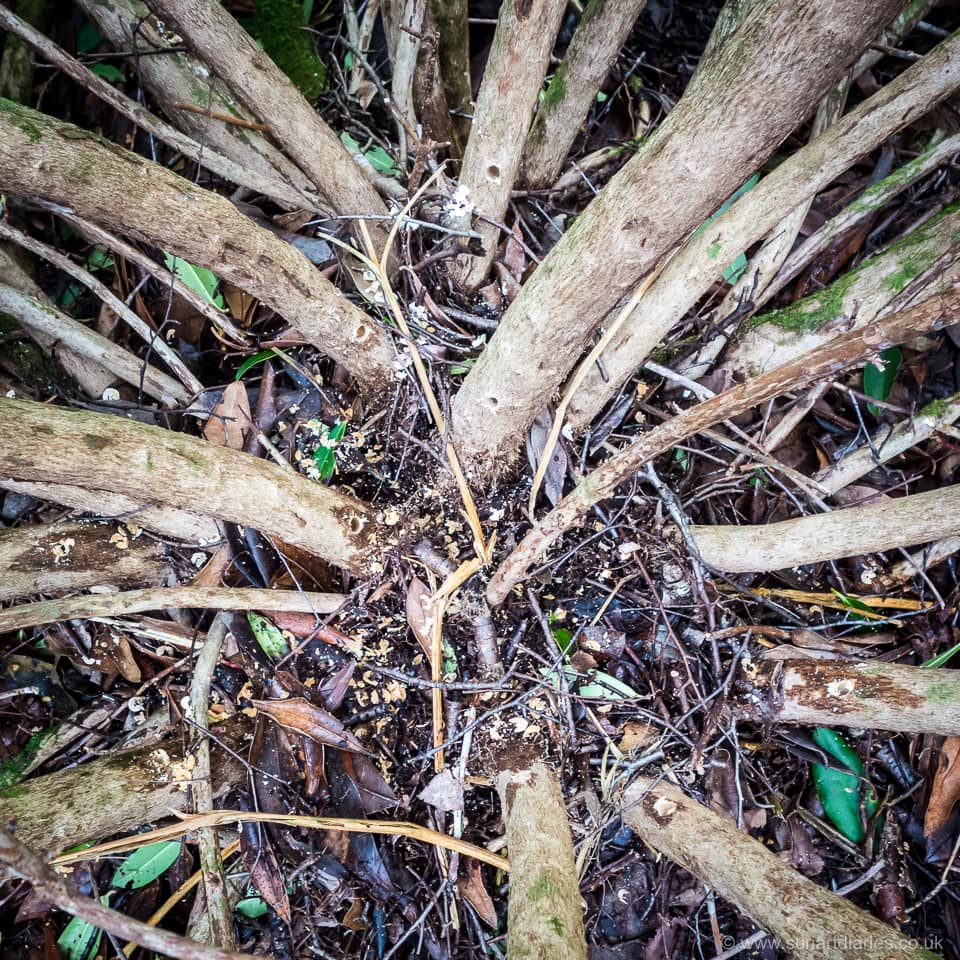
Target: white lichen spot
[(459, 204), (841, 688), (198, 559), (62, 548), (664, 807)]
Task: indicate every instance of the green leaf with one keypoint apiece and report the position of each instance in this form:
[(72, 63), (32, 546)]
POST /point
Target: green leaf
[(88, 37), (842, 793), (605, 687), (145, 864), (252, 907), (272, 641), (736, 269), (382, 161), (108, 71), (879, 381), (251, 362), (348, 61), (564, 639), (324, 456), (99, 259), (198, 279), (941, 658), (307, 10), (602, 97), (13, 768), (80, 940)]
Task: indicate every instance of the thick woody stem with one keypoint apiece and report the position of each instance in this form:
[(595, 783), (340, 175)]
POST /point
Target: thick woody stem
[(868, 695)]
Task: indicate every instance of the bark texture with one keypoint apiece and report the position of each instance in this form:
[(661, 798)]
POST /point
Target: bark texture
[(153, 464), (78, 169), (262, 85), (526, 31), (545, 920), (450, 17), (793, 51), (603, 29), (114, 794), (868, 695), (181, 78), (828, 536), (807, 920), (168, 521), (844, 350), (56, 557)]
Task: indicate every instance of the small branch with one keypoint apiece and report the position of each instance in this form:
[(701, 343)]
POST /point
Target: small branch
[(805, 919), (869, 695), (28, 866), (219, 910), (512, 79), (72, 336), (167, 598), (56, 557), (167, 521), (603, 29), (842, 351), (158, 465)]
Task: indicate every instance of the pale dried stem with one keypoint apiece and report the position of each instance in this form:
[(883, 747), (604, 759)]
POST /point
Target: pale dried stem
[(167, 598), (219, 908)]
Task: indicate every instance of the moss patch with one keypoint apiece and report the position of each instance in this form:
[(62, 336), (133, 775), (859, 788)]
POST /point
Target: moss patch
[(279, 28)]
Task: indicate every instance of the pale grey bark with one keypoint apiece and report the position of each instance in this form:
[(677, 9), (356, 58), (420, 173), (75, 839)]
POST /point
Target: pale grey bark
[(526, 31), (603, 28), (793, 51), (866, 695), (807, 920), (874, 527), (158, 465), (703, 258), (78, 169)]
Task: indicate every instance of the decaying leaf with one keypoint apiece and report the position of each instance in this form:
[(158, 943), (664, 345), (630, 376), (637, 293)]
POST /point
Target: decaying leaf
[(444, 791), (230, 419), (419, 612), (945, 790), (557, 468), (475, 893), (261, 861), (298, 715)]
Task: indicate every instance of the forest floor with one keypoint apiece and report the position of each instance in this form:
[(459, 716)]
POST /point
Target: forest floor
[(616, 648)]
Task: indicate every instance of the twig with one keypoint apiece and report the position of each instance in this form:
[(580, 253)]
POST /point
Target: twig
[(166, 598), (28, 866), (842, 351), (219, 911)]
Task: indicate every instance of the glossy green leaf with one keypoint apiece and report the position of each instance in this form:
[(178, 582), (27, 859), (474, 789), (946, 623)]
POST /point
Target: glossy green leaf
[(941, 658), (272, 641), (199, 280), (736, 269), (145, 864), (605, 687), (878, 381), (108, 71), (564, 639), (251, 362), (88, 37), (840, 793), (80, 940), (252, 907), (324, 456), (99, 259), (382, 161)]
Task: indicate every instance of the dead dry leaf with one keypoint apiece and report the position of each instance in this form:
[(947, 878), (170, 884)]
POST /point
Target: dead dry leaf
[(946, 787), (420, 612), (230, 419), (298, 715), (475, 893)]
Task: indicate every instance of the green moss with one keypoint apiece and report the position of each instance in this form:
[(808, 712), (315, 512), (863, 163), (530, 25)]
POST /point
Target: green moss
[(713, 251), (943, 693), (813, 312), (29, 121), (554, 92), (279, 27), (543, 887), (936, 408), (556, 924)]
